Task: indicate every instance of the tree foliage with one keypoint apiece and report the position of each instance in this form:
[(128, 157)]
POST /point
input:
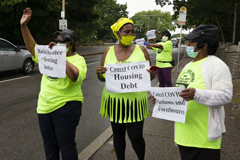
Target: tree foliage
[(90, 19), (11, 2), (110, 12), (151, 20), (216, 12)]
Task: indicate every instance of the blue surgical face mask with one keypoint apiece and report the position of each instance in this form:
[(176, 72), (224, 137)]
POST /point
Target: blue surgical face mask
[(190, 52), (64, 45)]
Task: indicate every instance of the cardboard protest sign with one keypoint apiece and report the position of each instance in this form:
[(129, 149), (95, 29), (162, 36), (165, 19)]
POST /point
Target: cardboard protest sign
[(169, 105), (128, 77), (52, 62), (140, 41), (151, 34)]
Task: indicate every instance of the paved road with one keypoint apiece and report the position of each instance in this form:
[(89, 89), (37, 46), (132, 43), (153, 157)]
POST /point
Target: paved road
[(20, 137)]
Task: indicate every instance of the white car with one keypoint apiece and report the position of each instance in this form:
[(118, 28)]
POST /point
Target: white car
[(12, 58)]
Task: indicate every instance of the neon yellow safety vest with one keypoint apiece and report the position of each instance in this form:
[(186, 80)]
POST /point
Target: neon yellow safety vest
[(124, 107), (55, 92), (194, 133), (164, 56)]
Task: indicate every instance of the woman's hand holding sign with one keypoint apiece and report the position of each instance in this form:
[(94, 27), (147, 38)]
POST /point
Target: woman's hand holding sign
[(101, 70), (153, 99), (51, 44), (188, 94), (153, 71)]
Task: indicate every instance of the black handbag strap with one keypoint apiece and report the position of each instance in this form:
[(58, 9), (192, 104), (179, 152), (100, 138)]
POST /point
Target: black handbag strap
[(165, 61)]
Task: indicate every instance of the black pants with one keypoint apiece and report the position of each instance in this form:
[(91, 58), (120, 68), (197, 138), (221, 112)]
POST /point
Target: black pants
[(192, 153), (58, 130), (135, 134)]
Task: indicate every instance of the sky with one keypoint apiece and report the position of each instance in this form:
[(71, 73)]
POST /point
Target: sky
[(134, 6)]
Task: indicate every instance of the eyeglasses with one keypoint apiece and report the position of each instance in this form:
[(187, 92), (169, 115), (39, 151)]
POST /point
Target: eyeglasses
[(62, 40), (192, 40)]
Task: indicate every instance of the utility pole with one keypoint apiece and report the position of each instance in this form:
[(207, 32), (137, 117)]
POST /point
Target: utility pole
[(63, 21), (234, 26), (63, 9), (181, 21), (148, 20)]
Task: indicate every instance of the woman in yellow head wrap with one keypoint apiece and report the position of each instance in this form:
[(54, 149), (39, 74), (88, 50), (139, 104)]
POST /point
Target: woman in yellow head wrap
[(126, 111)]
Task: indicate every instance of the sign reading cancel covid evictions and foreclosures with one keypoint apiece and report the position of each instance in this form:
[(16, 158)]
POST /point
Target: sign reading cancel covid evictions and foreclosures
[(169, 105), (128, 77), (52, 62)]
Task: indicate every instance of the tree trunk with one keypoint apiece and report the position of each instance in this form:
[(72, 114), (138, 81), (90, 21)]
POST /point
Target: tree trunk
[(234, 26), (220, 30)]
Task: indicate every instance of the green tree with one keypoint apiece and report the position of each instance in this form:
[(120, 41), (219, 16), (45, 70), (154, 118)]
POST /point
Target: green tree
[(89, 19), (224, 14), (109, 12), (83, 18), (11, 2), (152, 20), (42, 22)]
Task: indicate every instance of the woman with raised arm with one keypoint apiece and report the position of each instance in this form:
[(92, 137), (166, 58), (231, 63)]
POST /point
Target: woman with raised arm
[(60, 99)]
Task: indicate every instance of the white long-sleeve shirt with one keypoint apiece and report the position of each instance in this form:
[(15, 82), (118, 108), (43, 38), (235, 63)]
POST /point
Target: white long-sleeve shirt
[(219, 90)]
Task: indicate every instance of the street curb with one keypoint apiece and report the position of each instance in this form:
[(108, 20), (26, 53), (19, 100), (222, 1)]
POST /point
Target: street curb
[(95, 145)]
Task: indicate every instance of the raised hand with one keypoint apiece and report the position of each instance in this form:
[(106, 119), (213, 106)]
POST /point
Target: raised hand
[(27, 14)]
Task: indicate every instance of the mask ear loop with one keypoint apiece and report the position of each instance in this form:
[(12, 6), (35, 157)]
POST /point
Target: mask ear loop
[(70, 46), (200, 46)]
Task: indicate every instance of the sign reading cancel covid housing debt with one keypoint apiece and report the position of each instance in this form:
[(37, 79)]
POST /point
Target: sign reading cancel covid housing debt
[(169, 105), (52, 62), (128, 77)]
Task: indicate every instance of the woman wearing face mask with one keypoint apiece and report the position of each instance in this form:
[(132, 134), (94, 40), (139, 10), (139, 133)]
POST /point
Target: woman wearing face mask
[(128, 110), (208, 84), (60, 99), (163, 59)]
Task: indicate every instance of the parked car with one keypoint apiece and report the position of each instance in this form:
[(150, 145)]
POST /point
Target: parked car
[(175, 43), (12, 58)]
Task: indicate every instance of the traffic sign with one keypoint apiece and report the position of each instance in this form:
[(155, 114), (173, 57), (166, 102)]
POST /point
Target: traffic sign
[(63, 14), (181, 21), (62, 24), (182, 16)]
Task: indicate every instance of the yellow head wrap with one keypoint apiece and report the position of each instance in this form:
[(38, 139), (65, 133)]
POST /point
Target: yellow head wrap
[(118, 25)]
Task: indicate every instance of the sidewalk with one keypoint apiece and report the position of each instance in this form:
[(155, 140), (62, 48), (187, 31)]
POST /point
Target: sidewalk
[(159, 135)]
